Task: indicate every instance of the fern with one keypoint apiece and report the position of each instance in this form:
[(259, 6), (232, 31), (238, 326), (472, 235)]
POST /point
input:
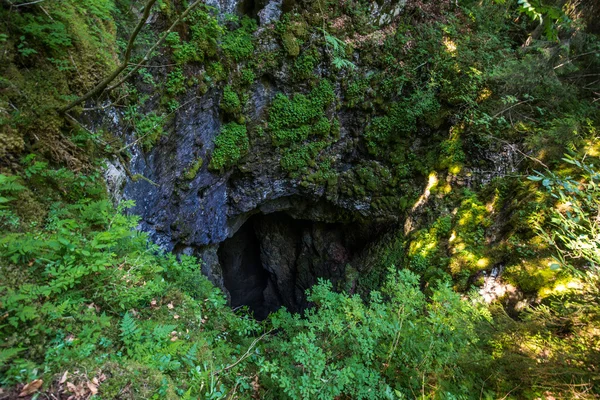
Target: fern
[(7, 354), (338, 50), (10, 184), (162, 331), (129, 328)]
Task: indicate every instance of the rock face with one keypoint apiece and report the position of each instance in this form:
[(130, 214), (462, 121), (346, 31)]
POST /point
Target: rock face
[(383, 12), (202, 215), (262, 236)]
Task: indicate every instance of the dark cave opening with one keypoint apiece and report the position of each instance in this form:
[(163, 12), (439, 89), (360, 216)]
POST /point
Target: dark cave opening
[(251, 8), (273, 258), (243, 273)]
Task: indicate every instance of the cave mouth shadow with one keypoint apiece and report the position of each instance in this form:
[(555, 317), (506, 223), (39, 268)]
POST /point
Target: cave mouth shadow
[(243, 273), (273, 258)]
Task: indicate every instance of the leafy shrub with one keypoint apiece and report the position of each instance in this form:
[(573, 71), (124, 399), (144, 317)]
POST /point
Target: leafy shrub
[(382, 348)]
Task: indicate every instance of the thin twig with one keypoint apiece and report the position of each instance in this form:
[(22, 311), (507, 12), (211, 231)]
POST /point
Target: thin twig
[(99, 88), (27, 4), (246, 354), (157, 44), (577, 56), (511, 107)]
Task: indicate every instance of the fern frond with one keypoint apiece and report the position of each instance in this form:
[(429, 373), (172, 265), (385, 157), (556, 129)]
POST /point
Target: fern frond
[(129, 328)]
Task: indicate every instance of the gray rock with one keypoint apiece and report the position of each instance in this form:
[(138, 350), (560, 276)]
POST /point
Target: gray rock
[(270, 13)]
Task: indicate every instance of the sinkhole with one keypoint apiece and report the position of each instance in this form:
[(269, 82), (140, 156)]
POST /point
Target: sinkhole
[(273, 258)]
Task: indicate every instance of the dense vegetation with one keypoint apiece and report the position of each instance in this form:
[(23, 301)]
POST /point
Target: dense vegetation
[(90, 307)]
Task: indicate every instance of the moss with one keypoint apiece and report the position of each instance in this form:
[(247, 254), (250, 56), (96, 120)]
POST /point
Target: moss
[(176, 82), (216, 72), (247, 76), (230, 145), (290, 44), (230, 103), (239, 44), (304, 65), (298, 158), (192, 171)]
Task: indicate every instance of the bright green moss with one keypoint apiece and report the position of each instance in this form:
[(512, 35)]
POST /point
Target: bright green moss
[(238, 44), (300, 157), (216, 72), (294, 120), (231, 145), (304, 66), (355, 93), (176, 83), (247, 76), (230, 103)]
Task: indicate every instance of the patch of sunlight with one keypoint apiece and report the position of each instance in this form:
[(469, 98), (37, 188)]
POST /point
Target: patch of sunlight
[(484, 95), (475, 71), (460, 247), (563, 207), (455, 169), (433, 180), (562, 286), (452, 237), (431, 245), (592, 148), (492, 204), (450, 46), (483, 262), (464, 219), (416, 245)]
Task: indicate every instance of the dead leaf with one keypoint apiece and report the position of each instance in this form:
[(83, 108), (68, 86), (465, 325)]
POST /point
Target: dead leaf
[(176, 316), (95, 381), (170, 306), (63, 379), (31, 387), (93, 388)]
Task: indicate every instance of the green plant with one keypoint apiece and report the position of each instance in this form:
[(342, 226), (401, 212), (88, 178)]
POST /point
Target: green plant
[(292, 120), (397, 339), (230, 146), (192, 171), (238, 44), (230, 103)]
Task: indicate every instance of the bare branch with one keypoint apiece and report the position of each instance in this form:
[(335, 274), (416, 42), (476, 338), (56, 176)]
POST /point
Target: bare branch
[(156, 45), (106, 81)]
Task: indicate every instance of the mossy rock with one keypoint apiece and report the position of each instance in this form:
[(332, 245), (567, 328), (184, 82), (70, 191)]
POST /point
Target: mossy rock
[(290, 44)]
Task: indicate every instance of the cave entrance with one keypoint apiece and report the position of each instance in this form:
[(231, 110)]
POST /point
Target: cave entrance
[(243, 272), (273, 258)]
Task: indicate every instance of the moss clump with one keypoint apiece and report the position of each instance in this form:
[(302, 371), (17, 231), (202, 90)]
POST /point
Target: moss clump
[(193, 170), (204, 33), (294, 120), (231, 145), (290, 44), (216, 72), (230, 103), (300, 157), (304, 65), (238, 44)]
